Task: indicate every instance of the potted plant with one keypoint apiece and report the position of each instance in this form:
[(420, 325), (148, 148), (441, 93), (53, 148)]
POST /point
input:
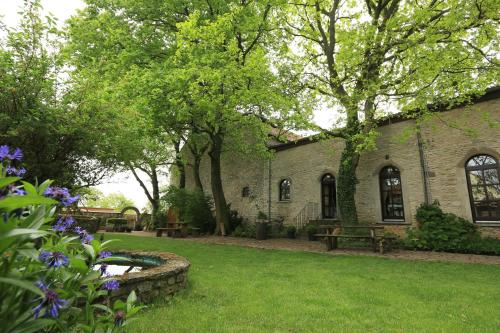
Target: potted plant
[(291, 231), (311, 231), (261, 226)]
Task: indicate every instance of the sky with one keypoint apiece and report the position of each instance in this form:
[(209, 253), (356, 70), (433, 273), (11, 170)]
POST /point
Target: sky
[(63, 9)]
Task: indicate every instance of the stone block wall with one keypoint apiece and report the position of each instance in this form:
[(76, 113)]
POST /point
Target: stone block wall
[(447, 142)]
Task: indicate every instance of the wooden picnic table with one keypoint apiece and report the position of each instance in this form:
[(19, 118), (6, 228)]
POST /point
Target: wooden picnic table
[(334, 231)]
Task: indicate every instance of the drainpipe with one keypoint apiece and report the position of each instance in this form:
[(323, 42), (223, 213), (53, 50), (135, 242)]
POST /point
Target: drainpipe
[(424, 167), (269, 164)]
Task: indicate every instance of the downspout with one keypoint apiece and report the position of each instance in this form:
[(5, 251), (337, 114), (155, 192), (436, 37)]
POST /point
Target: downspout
[(269, 164), (424, 167)]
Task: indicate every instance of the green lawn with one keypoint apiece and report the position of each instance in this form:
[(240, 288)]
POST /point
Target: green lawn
[(236, 289)]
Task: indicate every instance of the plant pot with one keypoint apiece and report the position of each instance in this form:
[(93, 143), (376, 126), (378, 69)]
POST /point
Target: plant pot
[(290, 234), (311, 237), (261, 231)]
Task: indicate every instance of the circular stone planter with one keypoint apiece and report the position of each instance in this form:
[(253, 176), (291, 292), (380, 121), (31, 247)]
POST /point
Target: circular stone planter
[(161, 281)]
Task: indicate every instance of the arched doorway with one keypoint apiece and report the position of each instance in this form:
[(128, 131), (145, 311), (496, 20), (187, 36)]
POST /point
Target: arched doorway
[(328, 197)]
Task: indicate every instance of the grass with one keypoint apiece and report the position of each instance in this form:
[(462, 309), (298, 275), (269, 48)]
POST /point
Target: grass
[(236, 289)]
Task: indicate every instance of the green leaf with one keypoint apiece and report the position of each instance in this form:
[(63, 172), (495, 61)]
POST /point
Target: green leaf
[(8, 180), (22, 284), (103, 308), (24, 232), (30, 189), (79, 264), (33, 326), (90, 250), (20, 201), (132, 297)]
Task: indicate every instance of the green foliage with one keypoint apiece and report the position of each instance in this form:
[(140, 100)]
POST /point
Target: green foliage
[(47, 277), (291, 231), (192, 207), (58, 140), (311, 230), (89, 223), (441, 231), (235, 220), (117, 201), (247, 230)]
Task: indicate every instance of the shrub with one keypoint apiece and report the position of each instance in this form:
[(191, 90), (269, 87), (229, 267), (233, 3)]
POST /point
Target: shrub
[(247, 230), (235, 220), (311, 230), (441, 231), (47, 280), (89, 223), (192, 207), (291, 231)]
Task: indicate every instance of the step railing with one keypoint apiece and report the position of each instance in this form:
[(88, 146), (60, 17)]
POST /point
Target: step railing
[(309, 212)]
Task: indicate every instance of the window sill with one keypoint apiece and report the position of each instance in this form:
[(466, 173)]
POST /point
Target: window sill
[(284, 201), (493, 224), (394, 222)]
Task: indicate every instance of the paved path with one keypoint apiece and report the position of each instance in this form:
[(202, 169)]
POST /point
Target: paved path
[(319, 247)]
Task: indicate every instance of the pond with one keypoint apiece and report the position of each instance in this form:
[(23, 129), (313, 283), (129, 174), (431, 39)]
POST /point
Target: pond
[(125, 263)]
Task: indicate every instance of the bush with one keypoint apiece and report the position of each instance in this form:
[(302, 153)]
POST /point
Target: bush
[(291, 231), (247, 230), (311, 230), (441, 231), (47, 277), (89, 223), (192, 207), (235, 220)]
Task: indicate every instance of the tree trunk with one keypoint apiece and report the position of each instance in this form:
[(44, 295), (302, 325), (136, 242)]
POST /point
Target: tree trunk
[(346, 185), (196, 170), (155, 203), (221, 209), (179, 163)]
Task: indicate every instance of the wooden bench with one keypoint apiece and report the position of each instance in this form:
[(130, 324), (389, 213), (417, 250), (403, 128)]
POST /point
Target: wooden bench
[(379, 241), (173, 229)]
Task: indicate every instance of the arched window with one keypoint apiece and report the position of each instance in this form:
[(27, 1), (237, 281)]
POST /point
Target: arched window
[(245, 192), (484, 187), (285, 185), (391, 194)]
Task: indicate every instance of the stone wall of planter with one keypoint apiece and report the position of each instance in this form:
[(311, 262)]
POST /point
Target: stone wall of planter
[(162, 281)]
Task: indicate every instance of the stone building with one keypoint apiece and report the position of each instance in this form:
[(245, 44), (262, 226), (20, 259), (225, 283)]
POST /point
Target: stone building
[(454, 159)]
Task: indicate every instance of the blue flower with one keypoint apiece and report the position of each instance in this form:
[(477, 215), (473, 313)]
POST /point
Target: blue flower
[(50, 303), (63, 224), (105, 254), (62, 195), (85, 237), (53, 259), (16, 155), (111, 285), (4, 151), (17, 172)]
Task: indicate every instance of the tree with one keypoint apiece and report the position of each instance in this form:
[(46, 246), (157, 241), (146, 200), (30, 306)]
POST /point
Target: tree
[(364, 57), (198, 70), (222, 83), (57, 138), (117, 201)]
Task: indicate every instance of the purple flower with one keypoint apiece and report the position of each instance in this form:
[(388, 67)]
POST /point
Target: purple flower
[(53, 259), (4, 151), (110, 285), (16, 155), (85, 237), (16, 191), (62, 195), (103, 269), (63, 224), (17, 172), (105, 254), (50, 303)]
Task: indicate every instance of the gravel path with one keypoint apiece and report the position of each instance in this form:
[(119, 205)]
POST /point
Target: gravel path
[(319, 247)]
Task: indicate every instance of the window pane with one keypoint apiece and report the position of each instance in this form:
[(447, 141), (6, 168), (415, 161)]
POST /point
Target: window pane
[(391, 193), (491, 176), (478, 193), (476, 177), (493, 192)]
